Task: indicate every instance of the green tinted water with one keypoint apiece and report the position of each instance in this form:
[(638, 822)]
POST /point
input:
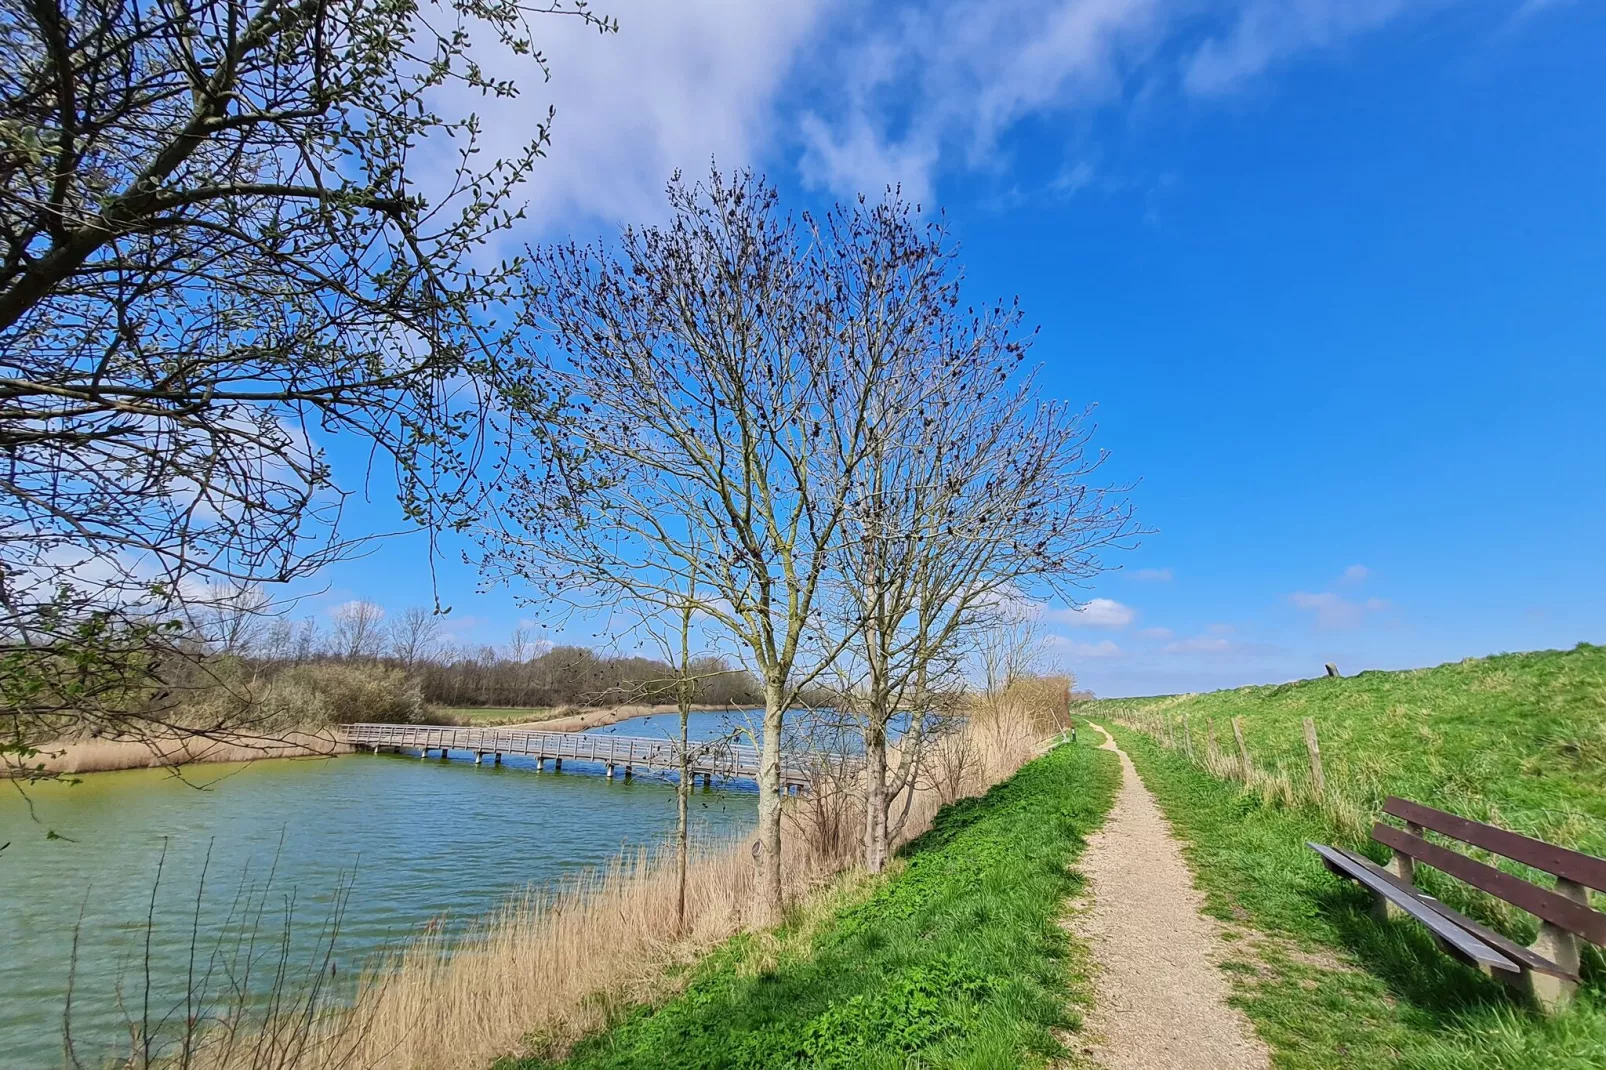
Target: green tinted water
[(418, 840)]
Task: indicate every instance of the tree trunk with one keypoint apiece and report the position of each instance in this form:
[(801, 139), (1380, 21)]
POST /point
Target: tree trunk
[(767, 899), (683, 792), (875, 796)]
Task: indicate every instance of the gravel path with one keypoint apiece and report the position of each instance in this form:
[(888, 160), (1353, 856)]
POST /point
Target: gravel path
[(1161, 1001)]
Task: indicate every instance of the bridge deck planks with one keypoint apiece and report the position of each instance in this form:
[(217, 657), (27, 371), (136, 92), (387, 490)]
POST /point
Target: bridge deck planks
[(718, 758)]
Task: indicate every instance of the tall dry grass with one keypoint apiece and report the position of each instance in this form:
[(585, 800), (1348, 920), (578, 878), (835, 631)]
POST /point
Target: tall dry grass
[(102, 755), (550, 967)]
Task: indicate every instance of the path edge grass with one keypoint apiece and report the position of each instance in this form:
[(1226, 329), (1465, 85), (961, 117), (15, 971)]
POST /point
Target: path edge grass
[(1325, 984), (958, 958)]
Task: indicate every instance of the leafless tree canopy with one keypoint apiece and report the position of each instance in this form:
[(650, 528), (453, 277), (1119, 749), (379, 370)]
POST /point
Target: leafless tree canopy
[(799, 413), (215, 254), (718, 369)]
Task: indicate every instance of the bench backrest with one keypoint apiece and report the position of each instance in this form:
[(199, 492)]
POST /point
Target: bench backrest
[(1574, 866)]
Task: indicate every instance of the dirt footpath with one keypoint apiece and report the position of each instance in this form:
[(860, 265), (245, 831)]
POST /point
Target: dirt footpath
[(1161, 1000)]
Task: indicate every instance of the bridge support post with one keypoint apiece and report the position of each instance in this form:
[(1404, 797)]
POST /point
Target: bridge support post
[(445, 754), (423, 753), (609, 766), (708, 780), (498, 758), (540, 765), (479, 757), (627, 772), (557, 765)]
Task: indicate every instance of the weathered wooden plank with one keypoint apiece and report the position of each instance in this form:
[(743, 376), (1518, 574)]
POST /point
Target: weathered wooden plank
[(1463, 942), (1559, 861), (1525, 957), (1540, 902)]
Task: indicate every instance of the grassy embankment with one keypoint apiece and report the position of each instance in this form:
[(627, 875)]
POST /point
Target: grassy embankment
[(1518, 740), (955, 958)]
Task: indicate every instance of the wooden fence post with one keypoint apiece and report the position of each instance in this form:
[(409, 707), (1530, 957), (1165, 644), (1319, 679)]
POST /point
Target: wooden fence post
[(1315, 749), (1243, 748)]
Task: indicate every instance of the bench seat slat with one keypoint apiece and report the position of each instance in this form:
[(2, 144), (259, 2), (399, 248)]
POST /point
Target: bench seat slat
[(1468, 946), (1557, 861), (1525, 957), (1540, 902)]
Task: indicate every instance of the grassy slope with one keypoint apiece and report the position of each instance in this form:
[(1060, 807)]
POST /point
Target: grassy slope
[(1518, 739), (953, 960)]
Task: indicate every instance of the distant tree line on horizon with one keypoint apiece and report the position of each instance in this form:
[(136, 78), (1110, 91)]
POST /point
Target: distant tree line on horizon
[(523, 672)]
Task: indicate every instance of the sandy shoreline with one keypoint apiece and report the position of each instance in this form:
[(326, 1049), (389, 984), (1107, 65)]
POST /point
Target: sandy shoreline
[(579, 722), (108, 755)]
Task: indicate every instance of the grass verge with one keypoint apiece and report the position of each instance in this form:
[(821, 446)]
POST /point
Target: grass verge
[(1325, 984), (954, 959)]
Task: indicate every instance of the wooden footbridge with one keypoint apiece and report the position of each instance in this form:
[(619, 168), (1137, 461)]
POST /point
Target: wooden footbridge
[(718, 758)]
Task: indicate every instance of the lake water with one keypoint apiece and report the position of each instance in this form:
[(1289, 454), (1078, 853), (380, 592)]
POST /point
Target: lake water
[(418, 840)]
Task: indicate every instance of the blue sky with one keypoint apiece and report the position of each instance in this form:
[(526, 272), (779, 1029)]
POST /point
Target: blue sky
[(1332, 271)]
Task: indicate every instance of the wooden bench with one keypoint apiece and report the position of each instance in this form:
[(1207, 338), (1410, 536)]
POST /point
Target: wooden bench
[(1548, 968)]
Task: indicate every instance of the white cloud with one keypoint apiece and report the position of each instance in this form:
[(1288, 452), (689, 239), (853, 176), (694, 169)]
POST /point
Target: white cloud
[(1104, 648), (1095, 613), (973, 69), (678, 84), (1355, 574), (1268, 31), (859, 97), (1155, 633), (1335, 612), (1153, 575)]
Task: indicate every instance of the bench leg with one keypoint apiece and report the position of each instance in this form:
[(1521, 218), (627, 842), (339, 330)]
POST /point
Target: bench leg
[(1553, 993), (1403, 867)]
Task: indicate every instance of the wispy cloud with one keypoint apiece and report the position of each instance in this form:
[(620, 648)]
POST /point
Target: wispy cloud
[(860, 98), (680, 83), (1104, 648), (1155, 633), (1334, 612), (1355, 574), (1095, 613), (1266, 32), (1153, 575), (1220, 643)]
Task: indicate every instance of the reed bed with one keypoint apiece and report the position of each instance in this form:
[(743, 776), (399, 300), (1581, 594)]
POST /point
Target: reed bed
[(552, 966), (103, 755)]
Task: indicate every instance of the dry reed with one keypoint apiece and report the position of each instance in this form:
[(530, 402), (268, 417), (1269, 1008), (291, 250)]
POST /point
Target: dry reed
[(550, 967), (102, 755)]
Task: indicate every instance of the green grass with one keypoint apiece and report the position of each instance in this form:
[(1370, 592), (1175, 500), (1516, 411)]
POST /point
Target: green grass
[(1518, 740), (1507, 739), (953, 960)]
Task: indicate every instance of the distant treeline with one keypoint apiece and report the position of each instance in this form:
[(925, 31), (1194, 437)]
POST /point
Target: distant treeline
[(575, 676)]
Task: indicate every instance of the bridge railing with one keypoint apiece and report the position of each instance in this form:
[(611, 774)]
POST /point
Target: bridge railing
[(714, 756)]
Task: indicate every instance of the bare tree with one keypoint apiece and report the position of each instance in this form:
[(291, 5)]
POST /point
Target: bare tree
[(308, 640), (218, 244), (719, 371), (414, 636), (231, 620), (1010, 646), (971, 488), (358, 630)]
